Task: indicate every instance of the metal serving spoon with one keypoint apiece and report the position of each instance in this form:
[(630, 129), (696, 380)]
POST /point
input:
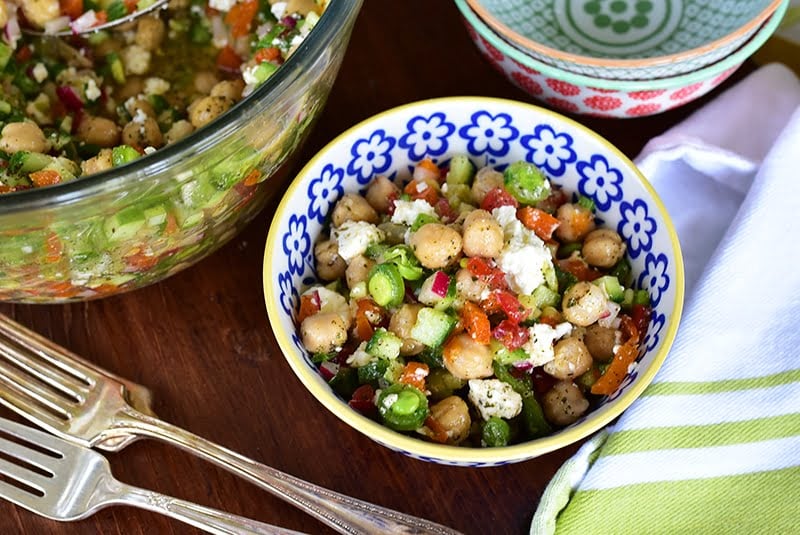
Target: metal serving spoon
[(158, 4)]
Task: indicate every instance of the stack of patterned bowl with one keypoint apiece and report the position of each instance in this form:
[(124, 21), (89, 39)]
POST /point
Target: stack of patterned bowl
[(619, 58)]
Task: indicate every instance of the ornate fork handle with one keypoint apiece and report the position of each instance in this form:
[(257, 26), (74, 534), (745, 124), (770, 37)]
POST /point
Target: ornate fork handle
[(205, 518), (343, 513)]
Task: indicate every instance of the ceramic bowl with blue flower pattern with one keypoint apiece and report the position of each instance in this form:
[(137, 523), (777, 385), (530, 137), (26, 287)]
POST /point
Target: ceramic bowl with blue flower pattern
[(492, 132)]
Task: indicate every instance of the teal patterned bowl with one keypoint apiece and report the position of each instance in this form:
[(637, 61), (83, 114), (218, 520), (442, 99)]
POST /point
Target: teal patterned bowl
[(626, 39)]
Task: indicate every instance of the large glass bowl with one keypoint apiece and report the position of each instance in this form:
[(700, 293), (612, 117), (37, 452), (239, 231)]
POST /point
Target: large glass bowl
[(137, 224)]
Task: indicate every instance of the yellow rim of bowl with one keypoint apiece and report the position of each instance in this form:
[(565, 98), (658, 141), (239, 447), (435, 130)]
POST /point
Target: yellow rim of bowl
[(457, 454), (656, 61)]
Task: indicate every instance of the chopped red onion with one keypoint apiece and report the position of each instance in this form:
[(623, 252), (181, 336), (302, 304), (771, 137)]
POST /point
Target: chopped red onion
[(84, 22)]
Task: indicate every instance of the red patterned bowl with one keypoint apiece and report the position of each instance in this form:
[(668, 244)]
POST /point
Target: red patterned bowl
[(600, 97)]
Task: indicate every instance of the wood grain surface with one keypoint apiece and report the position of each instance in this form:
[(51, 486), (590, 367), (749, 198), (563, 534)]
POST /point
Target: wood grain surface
[(201, 340)]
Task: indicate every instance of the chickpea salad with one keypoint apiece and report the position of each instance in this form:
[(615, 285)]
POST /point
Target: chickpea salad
[(472, 307), (74, 106)]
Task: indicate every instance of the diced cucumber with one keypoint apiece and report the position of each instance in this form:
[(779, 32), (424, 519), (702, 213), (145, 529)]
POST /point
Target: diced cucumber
[(458, 194), (384, 345), (543, 296), (155, 216), (116, 67), (124, 224), (27, 162), (612, 287), (462, 170), (66, 168), (372, 371), (344, 382), (5, 54), (432, 327), (502, 355), (641, 297), (186, 216)]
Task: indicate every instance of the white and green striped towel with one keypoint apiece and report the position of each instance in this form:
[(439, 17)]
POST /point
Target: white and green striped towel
[(713, 444)]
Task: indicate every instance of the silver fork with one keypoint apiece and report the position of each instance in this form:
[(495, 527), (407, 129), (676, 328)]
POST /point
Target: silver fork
[(64, 481), (80, 402)]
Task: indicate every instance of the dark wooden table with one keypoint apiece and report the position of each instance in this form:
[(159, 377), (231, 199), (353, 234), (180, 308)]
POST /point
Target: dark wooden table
[(201, 341)]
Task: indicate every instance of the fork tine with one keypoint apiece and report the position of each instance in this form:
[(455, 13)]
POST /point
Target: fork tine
[(23, 474), (54, 420), (36, 371), (66, 362), (21, 390)]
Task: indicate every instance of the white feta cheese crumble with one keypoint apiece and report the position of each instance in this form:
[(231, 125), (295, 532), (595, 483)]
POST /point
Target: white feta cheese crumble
[(156, 86), (140, 117), (353, 238), (493, 397), (91, 90), (278, 9), (406, 212), (542, 337), (360, 357), (222, 5), (39, 72), (524, 257), (249, 75), (149, 150), (136, 59), (330, 301)]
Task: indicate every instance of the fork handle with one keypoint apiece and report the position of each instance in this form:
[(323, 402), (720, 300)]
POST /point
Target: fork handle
[(205, 518), (343, 513)]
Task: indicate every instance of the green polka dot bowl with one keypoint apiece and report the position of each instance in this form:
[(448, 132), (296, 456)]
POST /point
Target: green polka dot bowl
[(626, 39)]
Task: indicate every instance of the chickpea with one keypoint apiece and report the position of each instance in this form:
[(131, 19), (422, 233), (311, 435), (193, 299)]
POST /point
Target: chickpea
[(98, 163), (206, 109), (98, 131), (23, 136), (353, 207), (470, 287), (134, 105), (485, 180), (483, 235), (39, 12), (401, 323), (467, 359), (564, 403), (603, 248), (178, 130), (583, 303), (204, 82), (330, 266), (302, 6), (575, 222), (600, 341), (231, 89), (452, 415), (323, 332), (380, 192), (3, 13), (435, 245), (142, 134), (149, 33), (134, 86), (358, 270), (571, 359)]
